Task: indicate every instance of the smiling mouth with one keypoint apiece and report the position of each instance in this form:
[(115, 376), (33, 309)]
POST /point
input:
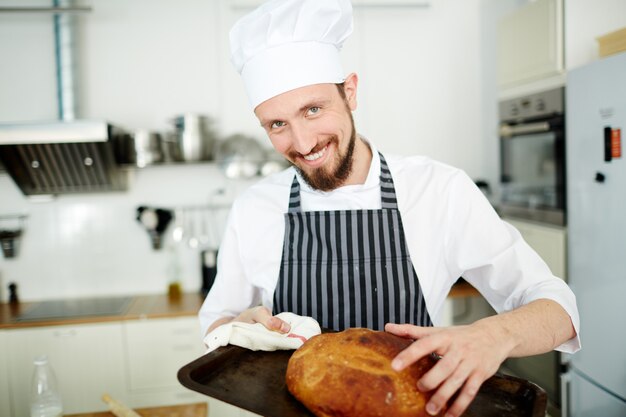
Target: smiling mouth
[(317, 155)]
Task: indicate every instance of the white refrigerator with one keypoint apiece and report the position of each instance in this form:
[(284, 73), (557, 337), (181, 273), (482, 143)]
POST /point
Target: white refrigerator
[(594, 384)]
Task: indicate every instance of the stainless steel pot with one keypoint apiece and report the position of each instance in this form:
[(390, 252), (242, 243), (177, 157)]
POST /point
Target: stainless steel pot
[(195, 136), (171, 147), (274, 162), (148, 147), (240, 156)]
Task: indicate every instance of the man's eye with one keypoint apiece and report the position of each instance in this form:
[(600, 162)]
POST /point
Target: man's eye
[(314, 110), (277, 124)]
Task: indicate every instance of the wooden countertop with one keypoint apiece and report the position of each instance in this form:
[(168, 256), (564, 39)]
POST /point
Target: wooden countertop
[(463, 289), (149, 307), (187, 410), (141, 307)]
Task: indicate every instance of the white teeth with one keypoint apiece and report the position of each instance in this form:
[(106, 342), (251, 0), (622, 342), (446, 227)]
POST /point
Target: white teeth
[(314, 156)]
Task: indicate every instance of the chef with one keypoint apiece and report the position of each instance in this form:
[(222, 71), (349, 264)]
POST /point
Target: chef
[(354, 237)]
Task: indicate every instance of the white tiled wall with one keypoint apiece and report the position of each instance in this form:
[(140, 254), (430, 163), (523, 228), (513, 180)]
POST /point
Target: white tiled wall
[(143, 62), (92, 244)]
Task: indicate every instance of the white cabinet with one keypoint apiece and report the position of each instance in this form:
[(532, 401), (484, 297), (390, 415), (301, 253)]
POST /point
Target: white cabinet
[(155, 350), (550, 242), (530, 43), (5, 403), (87, 361), (134, 361)]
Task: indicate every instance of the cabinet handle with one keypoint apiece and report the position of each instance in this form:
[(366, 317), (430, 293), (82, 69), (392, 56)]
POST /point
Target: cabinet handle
[(565, 394), (608, 154)]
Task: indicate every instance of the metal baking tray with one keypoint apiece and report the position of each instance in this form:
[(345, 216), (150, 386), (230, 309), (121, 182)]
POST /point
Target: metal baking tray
[(255, 381)]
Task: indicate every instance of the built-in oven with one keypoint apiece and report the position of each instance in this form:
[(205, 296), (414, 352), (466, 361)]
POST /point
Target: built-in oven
[(532, 150), (532, 156)]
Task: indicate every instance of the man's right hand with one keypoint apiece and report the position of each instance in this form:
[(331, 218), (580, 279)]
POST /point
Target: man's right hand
[(253, 315)]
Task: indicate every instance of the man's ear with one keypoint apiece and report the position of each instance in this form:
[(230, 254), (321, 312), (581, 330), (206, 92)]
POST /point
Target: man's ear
[(350, 87)]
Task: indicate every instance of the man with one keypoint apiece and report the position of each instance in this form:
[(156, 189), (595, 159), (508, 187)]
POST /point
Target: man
[(353, 238)]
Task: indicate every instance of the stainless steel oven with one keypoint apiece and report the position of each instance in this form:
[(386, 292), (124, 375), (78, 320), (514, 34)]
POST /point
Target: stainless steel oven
[(532, 156), (532, 150)]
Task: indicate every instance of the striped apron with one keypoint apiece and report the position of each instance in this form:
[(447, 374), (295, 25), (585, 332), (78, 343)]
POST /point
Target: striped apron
[(349, 268)]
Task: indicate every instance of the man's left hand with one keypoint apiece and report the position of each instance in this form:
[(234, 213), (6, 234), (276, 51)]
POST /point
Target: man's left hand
[(469, 355)]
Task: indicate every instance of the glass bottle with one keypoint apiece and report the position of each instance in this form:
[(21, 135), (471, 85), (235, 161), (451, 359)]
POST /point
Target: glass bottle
[(45, 399)]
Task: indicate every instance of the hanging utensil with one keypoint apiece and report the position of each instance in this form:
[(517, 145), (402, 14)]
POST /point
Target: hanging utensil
[(192, 240), (204, 237), (11, 230), (155, 221), (179, 230)]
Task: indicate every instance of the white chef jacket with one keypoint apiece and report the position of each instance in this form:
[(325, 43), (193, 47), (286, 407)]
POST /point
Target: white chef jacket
[(450, 228)]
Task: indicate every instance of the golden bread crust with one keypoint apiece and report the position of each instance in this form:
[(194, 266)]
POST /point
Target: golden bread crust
[(349, 374)]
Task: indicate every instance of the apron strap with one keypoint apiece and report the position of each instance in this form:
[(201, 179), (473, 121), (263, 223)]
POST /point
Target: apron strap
[(387, 190), (294, 196)]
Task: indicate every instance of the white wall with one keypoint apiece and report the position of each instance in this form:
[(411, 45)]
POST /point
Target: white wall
[(421, 81), (142, 62), (27, 77), (584, 22), (93, 245)]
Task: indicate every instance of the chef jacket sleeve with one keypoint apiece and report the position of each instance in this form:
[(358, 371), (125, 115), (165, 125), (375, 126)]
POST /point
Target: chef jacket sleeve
[(231, 292), (492, 255)]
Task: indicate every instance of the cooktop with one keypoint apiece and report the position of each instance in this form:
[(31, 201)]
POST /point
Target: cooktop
[(75, 308)]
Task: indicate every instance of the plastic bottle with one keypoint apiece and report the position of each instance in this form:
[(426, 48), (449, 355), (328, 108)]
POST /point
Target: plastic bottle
[(45, 400)]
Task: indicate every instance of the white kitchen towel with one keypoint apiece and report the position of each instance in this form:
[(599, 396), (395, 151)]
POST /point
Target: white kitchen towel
[(258, 337)]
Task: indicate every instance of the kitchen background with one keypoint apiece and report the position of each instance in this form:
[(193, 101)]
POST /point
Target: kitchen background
[(428, 86), (143, 62)]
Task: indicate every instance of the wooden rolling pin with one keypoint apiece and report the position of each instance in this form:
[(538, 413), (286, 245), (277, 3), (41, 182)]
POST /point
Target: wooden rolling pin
[(117, 408)]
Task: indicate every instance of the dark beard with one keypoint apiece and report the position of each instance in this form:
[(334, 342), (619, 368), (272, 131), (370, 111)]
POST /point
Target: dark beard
[(323, 180)]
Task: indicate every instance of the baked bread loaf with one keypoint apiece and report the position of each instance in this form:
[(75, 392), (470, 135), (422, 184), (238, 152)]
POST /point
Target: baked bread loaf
[(349, 374)]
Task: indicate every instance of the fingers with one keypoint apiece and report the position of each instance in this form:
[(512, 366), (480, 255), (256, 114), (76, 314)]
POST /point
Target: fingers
[(274, 323), (451, 374), (467, 361), (465, 397), (264, 316), (417, 350), (410, 331), (450, 378), (449, 369)]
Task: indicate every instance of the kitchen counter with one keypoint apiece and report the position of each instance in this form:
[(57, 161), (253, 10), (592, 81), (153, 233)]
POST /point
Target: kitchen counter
[(147, 307), (463, 289), (188, 410), (140, 307)]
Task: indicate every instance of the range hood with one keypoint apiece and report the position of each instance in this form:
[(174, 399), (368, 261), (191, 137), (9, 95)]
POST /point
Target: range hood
[(68, 155), (63, 157)]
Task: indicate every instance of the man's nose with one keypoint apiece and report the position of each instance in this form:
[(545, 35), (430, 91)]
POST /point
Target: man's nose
[(303, 138)]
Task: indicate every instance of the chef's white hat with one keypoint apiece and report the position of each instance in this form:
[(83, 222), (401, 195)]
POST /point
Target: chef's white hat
[(286, 44)]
